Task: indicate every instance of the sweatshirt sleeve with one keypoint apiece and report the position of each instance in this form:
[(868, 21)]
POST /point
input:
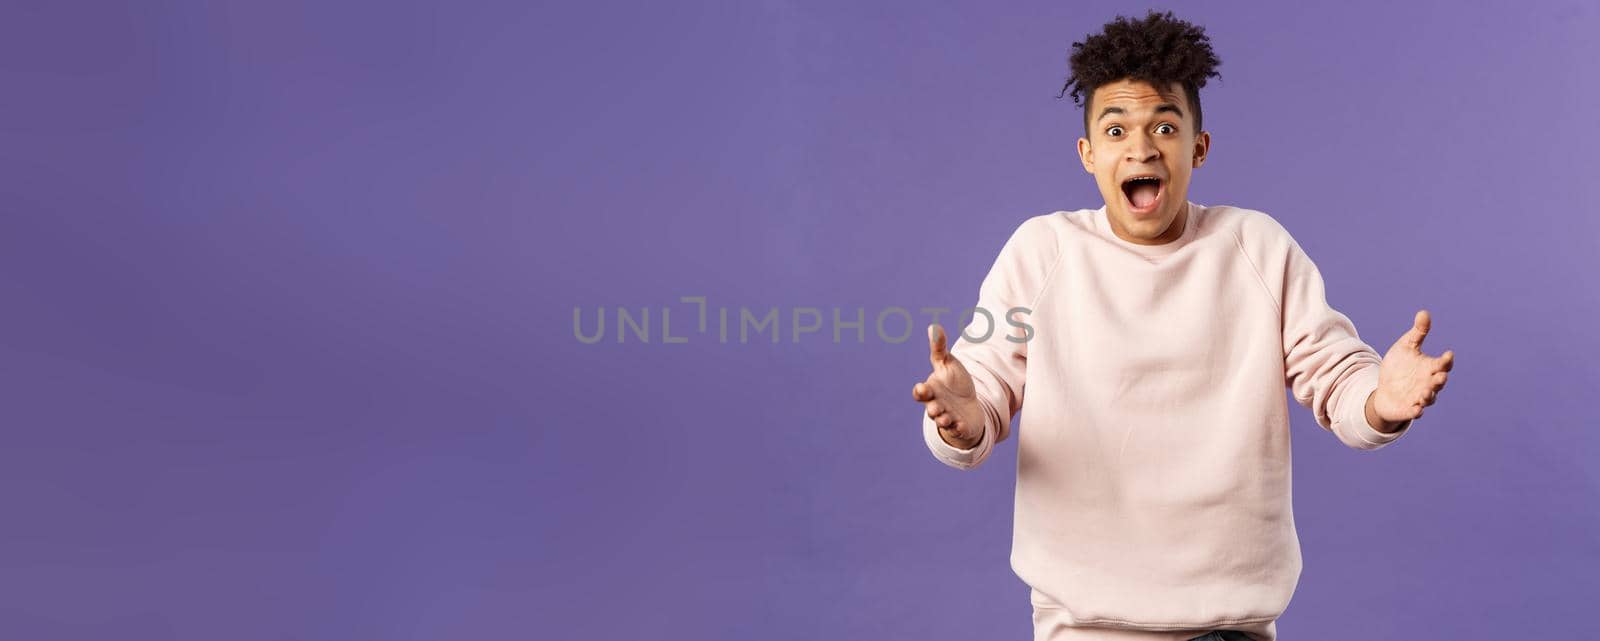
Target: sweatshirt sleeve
[(993, 346), (1329, 369)]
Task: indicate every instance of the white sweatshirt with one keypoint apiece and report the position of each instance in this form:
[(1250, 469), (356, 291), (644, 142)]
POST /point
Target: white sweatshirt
[(1153, 466)]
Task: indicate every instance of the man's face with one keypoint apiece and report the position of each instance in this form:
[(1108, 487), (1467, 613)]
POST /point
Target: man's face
[(1141, 148)]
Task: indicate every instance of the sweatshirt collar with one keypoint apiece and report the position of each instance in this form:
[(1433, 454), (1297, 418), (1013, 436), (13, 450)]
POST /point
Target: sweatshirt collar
[(1103, 225)]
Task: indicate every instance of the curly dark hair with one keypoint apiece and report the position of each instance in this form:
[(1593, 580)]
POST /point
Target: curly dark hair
[(1158, 49)]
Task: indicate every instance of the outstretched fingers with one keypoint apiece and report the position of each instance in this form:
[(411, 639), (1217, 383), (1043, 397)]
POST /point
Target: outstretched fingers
[(1446, 361)]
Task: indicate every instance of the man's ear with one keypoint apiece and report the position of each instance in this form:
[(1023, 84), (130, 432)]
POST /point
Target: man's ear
[(1202, 146), (1086, 154)]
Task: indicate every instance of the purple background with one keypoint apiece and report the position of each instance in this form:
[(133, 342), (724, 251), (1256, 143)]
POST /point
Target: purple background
[(288, 293)]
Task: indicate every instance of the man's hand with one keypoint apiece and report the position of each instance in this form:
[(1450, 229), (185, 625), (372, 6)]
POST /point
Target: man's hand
[(1408, 379), (948, 395)]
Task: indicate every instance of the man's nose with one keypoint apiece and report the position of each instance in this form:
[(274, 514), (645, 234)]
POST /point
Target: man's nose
[(1142, 149)]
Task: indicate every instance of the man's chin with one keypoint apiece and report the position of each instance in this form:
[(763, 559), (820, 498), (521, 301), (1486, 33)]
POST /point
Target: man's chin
[(1146, 228)]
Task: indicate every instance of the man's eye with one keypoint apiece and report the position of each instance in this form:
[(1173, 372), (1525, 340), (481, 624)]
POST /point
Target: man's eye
[(1166, 129), (1114, 132)]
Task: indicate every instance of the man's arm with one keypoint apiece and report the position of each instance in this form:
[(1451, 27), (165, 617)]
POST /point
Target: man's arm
[(977, 385), (1329, 369)]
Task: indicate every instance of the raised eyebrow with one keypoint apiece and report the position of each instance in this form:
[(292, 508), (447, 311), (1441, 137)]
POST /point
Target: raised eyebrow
[(1165, 107), (1108, 111)]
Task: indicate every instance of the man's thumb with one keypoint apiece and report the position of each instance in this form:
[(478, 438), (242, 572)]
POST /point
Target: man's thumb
[(1419, 329), (936, 349)]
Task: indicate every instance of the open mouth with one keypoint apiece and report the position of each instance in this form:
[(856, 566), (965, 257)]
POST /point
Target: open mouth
[(1143, 192)]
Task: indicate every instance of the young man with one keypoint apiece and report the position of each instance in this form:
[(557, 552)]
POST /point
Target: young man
[(1153, 474)]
